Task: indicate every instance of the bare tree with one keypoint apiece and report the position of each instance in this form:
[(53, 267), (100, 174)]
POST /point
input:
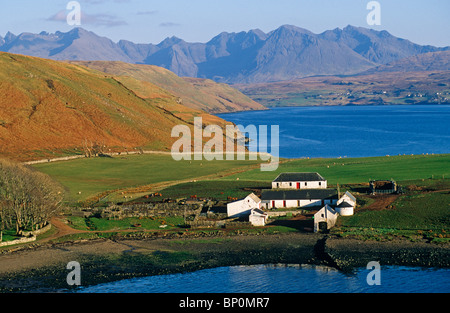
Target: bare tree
[(28, 199)]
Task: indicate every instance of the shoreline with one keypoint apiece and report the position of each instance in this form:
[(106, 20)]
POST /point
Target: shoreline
[(42, 268)]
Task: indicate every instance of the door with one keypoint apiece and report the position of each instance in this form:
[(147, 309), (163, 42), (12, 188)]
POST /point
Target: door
[(284, 203), (323, 226), (298, 185), (273, 204)]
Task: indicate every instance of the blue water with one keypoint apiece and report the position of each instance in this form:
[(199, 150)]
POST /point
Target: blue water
[(285, 279), (354, 131)]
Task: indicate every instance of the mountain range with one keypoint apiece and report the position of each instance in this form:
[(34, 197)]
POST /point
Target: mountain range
[(286, 53)]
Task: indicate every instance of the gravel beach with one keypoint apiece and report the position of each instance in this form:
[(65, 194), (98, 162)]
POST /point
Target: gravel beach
[(42, 268)]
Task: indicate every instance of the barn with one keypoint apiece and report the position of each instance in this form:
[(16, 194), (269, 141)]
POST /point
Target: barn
[(299, 181), (383, 187), (274, 199), (244, 206)]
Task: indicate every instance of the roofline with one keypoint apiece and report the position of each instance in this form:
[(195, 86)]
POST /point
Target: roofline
[(320, 176)]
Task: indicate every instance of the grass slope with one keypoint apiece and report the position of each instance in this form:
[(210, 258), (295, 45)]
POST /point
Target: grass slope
[(50, 108), (196, 93), (93, 176)]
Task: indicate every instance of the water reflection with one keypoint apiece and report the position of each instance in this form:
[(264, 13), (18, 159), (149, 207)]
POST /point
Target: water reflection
[(281, 278)]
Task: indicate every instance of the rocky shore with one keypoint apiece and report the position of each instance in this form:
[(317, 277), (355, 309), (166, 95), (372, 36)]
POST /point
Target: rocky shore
[(43, 268)]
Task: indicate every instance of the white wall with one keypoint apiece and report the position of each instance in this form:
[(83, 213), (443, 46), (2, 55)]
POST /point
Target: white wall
[(347, 199), (241, 207), (257, 220), (345, 211), (326, 214), (303, 185), (296, 203)]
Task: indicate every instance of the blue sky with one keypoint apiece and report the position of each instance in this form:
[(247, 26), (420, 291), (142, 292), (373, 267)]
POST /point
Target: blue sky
[(151, 21)]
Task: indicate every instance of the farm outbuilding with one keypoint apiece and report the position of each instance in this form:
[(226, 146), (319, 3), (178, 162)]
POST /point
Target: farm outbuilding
[(383, 187), (244, 206), (258, 217), (346, 204), (345, 209), (325, 219)]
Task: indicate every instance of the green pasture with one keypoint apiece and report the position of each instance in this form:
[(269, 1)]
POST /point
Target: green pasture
[(361, 170), (84, 178)]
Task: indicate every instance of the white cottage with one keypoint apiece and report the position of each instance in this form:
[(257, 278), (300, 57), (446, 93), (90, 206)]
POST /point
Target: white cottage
[(325, 219), (281, 198), (299, 181), (244, 206), (258, 217)]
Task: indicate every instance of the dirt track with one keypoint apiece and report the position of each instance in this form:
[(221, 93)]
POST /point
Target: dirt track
[(382, 202)]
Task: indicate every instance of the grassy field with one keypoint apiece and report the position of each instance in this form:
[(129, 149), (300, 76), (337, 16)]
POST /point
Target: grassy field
[(84, 178), (361, 170), (99, 224), (422, 212)]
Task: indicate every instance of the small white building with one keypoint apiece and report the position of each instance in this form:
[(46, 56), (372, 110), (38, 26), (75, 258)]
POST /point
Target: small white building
[(258, 217), (325, 219), (346, 204), (244, 206), (299, 181)]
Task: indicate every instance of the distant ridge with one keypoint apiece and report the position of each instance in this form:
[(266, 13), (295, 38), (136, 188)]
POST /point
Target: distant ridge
[(286, 53)]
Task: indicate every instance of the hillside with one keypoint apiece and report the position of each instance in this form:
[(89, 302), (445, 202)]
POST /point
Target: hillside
[(431, 61), (195, 93), (286, 53), (51, 108)]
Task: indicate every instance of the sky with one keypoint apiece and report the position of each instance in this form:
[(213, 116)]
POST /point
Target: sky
[(425, 22)]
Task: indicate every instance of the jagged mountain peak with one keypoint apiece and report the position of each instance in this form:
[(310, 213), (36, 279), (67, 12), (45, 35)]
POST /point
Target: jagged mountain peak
[(285, 53)]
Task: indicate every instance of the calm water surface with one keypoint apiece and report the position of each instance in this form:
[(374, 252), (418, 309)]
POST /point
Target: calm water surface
[(355, 131), (285, 279)]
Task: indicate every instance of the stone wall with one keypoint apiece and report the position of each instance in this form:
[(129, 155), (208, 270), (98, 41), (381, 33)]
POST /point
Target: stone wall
[(18, 241), (119, 212)]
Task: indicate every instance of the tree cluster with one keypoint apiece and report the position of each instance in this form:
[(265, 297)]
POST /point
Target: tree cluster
[(28, 198)]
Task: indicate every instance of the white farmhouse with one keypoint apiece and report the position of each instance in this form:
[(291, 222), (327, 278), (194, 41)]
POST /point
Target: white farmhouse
[(299, 181), (325, 219), (244, 206), (282, 198)]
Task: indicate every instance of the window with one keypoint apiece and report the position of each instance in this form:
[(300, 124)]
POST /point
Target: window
[(306, 184), (290, 184), (320, 183), (322, 215)]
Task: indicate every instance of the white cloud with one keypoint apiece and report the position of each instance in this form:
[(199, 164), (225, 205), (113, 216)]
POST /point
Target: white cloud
[(90, 19)]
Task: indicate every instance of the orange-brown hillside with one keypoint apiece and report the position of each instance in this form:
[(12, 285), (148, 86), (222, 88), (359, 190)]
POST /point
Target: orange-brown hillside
[(196, 93), (50, 108)]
